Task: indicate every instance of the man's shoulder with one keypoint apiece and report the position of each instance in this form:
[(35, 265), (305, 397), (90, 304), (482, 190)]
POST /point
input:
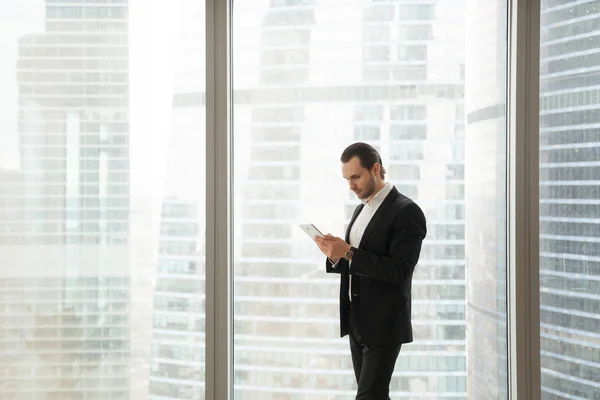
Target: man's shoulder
[(405, 203), (401, 199)]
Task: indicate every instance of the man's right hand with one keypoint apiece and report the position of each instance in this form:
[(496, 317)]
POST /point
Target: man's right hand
[(325, 247)]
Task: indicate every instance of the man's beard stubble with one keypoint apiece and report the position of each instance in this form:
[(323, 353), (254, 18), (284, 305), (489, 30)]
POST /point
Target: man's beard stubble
[(369, 190)]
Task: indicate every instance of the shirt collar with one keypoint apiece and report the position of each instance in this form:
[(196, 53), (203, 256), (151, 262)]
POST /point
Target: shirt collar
[(379, 196)]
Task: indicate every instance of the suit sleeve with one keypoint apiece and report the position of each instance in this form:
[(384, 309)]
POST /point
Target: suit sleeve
[(405, 247), (336, 268), (342, 264)]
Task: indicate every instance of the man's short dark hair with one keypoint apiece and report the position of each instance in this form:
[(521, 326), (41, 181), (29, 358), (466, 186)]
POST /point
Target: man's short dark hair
[(367, 155)]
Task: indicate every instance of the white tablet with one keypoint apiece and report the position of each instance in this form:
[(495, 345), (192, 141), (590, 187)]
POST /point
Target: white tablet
[(311, 230)]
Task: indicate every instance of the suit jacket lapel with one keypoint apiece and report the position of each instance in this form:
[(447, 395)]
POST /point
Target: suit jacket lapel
[(356, 212), (385, 205)]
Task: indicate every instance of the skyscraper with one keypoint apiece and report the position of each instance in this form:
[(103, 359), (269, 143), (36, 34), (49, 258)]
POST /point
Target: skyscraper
[(65, 285), (178, 355), (569, 206)]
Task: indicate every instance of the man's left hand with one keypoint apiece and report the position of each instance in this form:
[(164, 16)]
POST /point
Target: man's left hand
[(332, 246)]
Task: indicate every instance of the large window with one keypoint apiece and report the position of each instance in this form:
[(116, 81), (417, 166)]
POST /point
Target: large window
[(424, 82), (570, 200), (102, 200), (157, 157)]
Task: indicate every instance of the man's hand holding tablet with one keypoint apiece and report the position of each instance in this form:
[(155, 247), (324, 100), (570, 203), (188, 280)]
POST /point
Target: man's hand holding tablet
[(333, 247)]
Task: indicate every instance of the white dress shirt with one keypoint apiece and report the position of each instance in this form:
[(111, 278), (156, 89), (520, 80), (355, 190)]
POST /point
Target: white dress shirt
[(363, 219)]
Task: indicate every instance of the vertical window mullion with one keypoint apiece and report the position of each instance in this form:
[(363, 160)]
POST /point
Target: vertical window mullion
[(219, 328), (523, 200)]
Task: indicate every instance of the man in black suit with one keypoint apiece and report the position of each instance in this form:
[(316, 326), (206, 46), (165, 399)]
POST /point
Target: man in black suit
[(376, 263)]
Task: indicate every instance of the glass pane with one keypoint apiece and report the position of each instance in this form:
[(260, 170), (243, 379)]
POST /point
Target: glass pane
[(570, 199), (101, 200), (485, 209), (425, 84)]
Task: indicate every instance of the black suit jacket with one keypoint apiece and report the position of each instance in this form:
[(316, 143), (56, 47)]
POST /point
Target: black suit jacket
[(382, 269)]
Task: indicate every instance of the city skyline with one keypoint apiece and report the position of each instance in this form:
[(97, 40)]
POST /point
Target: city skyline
[(102, 194)]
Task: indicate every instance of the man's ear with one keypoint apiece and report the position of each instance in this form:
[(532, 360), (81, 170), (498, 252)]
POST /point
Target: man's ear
[(376, 169)]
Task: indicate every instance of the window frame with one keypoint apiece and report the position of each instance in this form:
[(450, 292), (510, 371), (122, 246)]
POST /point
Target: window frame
[(523, 295)]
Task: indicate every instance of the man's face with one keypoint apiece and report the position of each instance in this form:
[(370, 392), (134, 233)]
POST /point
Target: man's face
[(361, 180)]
